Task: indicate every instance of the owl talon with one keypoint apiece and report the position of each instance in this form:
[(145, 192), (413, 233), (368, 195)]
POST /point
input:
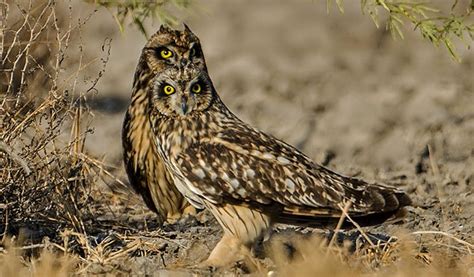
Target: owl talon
[(247, 264), (226, 253), (206, 265)]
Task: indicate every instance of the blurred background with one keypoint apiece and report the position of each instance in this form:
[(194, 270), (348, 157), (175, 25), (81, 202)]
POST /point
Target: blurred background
[(333, 84)]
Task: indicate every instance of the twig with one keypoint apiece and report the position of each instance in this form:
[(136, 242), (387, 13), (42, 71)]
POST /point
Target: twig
[(7, 149), (339, 224), (469, 245), (32, 246), (358, 228)]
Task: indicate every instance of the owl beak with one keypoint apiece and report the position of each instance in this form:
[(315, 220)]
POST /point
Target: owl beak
[(184, 63), (184, 106)]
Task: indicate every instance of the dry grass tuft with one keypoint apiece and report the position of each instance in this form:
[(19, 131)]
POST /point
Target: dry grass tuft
[(403, 256), (13, 262)]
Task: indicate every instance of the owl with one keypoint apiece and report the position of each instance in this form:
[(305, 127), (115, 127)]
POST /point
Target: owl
[(247, 179), (146, 171)]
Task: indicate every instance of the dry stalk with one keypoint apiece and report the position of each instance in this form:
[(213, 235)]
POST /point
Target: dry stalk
[(469, 246), (357, 226), (339, 223), (7, 149)]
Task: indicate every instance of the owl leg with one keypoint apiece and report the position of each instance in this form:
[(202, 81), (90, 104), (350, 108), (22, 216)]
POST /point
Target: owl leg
[(189, 210), (243, 227), (183, 215)]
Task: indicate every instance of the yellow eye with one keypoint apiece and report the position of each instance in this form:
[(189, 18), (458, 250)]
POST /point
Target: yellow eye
[(166, 54), (168, 90), (192, 53), (196, 88)]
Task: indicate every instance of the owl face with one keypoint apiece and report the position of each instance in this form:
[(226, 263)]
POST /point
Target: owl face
[(171, 48), (183, 92)]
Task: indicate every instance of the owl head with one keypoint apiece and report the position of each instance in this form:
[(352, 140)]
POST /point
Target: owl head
[(169, 48), (182, 93)]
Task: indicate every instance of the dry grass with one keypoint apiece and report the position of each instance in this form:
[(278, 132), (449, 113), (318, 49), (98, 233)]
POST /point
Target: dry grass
[(13, 262), (441, 255), (45, 179), (56, 221), (405, 257)]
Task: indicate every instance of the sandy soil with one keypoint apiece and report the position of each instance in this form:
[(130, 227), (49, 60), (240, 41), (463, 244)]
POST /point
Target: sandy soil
[(335, 86)]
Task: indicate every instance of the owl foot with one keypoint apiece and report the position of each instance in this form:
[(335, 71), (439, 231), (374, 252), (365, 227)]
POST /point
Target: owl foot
[(228, 252)]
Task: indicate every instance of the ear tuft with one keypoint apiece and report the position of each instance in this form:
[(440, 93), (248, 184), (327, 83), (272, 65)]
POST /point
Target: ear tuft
[(187, 29), (164, 29)]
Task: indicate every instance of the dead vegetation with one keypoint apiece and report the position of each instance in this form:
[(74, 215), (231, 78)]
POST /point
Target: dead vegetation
[(44, 175), (56, 219)]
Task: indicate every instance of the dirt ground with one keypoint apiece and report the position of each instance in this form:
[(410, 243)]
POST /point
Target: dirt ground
[(344, 92)]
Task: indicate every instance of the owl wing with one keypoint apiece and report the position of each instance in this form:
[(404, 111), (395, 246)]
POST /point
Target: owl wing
[(244, 166)]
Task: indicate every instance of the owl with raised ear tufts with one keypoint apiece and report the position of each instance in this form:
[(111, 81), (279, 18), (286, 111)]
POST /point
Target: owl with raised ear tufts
[(166, 49), (246, 178)]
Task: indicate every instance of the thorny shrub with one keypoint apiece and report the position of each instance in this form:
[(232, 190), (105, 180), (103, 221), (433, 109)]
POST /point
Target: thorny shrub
[(45, 178)]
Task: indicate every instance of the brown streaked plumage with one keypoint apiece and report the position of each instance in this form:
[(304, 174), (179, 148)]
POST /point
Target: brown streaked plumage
[(246, 178), (166, 49)]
